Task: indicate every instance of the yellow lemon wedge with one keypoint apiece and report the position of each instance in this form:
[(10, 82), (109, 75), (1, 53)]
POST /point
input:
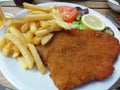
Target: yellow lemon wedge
[(92, 22)]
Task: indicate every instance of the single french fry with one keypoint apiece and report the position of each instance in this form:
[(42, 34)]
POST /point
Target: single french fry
[(16, 22), (33, 27), (44, 24), (35, 7), (3, 42), (37, 58), (38, 17), (46, 38), (63, 24), (16, 32), (37, 12), (29, 36), (15, 54), (42, 33), (23, 62), (16, 51), (25, 27), (24, 51), (7, 49), (37, 40)]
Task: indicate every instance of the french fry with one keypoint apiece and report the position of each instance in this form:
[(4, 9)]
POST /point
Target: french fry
[(38, 17), (37, 40), (35, 7), (33, 27), (29, 36), (16, 51), (50, 25), (38, 24), (56, 14), (16, 32), (46, 38), (25, 27), (44, 24), (59, 20), (7, 49), (53, 7), (15, 54), (37, 58), (3, 42), (9, 22), (37, 12), (17, 22), (24, 33), (42, 33), (24, 51), (63, 24), (23, 62), (54, 26)]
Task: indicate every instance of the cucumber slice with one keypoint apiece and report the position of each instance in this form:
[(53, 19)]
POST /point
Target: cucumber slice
[(109, 31)]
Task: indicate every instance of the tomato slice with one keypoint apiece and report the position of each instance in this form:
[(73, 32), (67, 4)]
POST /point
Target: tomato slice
[(118, 18), (68, 13)]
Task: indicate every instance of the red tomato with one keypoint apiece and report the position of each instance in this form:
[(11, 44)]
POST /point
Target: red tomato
[(68, 13), (118, 18)]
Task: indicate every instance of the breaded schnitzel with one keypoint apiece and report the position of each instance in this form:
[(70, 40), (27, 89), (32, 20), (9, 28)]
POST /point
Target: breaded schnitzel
[(79, 56)]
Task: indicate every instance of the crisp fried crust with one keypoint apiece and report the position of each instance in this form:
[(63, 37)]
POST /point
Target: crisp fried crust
[(76, 57)]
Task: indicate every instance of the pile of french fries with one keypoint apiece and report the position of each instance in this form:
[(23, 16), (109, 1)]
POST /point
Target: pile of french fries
[(23, 34)]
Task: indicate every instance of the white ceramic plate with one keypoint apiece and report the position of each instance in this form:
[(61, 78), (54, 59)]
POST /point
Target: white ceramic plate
[(33, 80)]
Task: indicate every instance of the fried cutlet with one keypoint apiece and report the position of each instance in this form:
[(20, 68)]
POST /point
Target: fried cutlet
[(76, 57)]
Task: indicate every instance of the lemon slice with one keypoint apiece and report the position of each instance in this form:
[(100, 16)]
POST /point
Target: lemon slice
[(91, 22)]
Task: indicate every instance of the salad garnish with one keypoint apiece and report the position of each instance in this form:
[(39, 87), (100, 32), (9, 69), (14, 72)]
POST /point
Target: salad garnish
[(74, 16)]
